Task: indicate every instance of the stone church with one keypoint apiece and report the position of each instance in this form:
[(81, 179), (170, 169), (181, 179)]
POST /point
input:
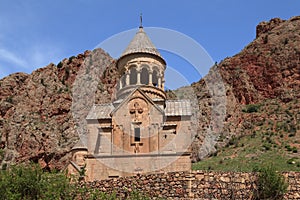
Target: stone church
[(141, 131)]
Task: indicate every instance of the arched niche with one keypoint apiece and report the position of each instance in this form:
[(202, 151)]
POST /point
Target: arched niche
[(155, 75), (133, 76), (145, 75)]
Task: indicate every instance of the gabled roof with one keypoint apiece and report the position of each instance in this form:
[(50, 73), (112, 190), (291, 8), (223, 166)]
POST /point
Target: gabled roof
[(141, 44), (129, 97), (181, 107), (100, 111)]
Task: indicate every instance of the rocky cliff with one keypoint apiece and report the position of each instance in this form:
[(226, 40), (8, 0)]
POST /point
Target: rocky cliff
[(37, 121), (264, 75)]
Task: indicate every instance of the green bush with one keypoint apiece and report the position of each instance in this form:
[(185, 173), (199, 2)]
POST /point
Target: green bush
[(288, 147), (251, 108), (67, 73), (136, 195), (233, 141), (2, 154), (292, 135), (270, 184), (267, 146), (295, 150), (60, 65), (9, 99), (71, 59), (291, 161), (31, 182), (43, 82)]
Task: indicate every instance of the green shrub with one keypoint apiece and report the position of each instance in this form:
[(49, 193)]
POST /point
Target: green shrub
[(9, 99), (2, 154), (31, 182), (253, 135), (270, 184), (71, 59), (43, 82), (136, 195), (292, 135), (291, 161), (267, 146), (59, 65), (233, 141), (265, 39), (67, 73), (288, 147), (4, 166), (251, 108)]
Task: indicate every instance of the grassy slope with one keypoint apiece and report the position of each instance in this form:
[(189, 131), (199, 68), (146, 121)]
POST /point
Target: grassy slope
[(273, 138)]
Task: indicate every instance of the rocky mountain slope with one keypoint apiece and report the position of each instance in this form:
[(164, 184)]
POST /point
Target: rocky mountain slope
[(37, 121), (264, 73)]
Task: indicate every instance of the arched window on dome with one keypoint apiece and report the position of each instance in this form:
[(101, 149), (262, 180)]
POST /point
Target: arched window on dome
[(145, 76), (133, 76), (155, 78)]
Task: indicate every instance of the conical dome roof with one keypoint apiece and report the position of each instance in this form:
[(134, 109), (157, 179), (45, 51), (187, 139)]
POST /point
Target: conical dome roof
[(141, 43)]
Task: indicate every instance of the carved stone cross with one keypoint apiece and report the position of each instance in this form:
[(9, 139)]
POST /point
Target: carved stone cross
[(136, 110)]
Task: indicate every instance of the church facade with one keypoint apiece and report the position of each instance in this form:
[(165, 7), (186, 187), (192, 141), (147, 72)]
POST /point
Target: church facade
[(141, 131)]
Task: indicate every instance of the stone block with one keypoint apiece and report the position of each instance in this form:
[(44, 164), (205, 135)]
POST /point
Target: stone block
[(225, 179)]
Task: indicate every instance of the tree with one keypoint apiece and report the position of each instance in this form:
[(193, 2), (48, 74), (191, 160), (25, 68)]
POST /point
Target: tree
[(270, 184), (30, 182)]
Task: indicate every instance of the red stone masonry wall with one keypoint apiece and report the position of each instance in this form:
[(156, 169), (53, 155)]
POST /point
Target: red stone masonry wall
[(194, 185)]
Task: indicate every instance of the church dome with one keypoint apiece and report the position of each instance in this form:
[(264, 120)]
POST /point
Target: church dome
[(141, 65), (141, 43)]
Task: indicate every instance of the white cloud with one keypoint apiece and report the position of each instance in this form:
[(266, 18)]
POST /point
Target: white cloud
[(43, 54), (3, 73), (35, 56), (10, 57)]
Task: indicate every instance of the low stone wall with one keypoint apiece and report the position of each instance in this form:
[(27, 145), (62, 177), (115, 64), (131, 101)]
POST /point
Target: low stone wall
[(216, 185), (194, 185)]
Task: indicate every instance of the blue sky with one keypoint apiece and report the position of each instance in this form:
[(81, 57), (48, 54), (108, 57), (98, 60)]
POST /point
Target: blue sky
[(34, 33)]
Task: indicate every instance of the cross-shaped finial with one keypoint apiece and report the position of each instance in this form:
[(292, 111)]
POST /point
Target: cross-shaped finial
[(141, 20)]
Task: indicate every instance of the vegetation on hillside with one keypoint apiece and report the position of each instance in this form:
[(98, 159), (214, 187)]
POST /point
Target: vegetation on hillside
[(31, 182), (274, 139)]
